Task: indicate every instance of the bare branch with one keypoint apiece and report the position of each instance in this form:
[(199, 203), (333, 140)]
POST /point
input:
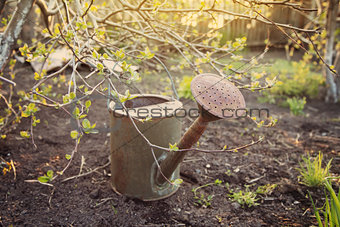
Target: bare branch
[(8, 81), (84, 14)]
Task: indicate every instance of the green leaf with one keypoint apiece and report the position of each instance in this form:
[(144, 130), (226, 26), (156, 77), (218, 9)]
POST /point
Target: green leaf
[(218, 182), (100, 67), (82, 116), (66, 98), (50, 173), (67, 156), (24, 134), (43, 179), (76, 112), (120, 54), (94, 54), (88, 103), (86, 123), (74, 134), (105, 56), (72, 95), (173, 147), (177, 181)]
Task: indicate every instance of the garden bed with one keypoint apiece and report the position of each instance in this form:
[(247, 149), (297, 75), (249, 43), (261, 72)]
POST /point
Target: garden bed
[(89, 200)]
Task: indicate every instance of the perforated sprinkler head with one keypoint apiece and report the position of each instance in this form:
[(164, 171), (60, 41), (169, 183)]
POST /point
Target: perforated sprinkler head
[(217, 98)]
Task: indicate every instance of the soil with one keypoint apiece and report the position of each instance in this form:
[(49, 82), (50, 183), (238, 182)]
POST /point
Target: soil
[(89, 200)]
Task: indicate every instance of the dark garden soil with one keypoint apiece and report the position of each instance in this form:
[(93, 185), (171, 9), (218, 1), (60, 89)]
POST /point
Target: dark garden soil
[(90, 201)]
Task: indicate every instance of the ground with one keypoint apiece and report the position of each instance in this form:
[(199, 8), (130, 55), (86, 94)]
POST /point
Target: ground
[(89, 200)]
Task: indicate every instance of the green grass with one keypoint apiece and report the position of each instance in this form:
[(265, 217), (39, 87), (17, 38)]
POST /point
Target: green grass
[(312, 172), (331, 208)]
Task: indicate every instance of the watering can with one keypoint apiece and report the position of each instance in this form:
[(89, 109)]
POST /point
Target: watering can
[(133, 166), (134, 170)]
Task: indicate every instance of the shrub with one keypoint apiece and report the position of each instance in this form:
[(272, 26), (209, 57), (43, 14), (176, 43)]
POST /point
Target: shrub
[(184, 90), (297, 79), (296, 105)]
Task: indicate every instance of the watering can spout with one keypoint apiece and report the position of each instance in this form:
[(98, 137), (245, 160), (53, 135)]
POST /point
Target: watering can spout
[(217, 98), (172, 161)]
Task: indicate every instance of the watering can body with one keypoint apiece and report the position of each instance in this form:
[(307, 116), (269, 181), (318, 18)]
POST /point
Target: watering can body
[(133, 165)]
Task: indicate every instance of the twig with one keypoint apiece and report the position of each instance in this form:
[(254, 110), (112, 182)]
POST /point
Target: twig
[(8, 81), (8, 105), (87, 9), (87, 173), (212, 151), (50, 199), (104, 201), (32, 135), (71, 48), (36, 181), (321, 58), (81, 164)]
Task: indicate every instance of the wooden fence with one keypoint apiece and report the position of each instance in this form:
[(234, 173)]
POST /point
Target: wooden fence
[(256, 32)]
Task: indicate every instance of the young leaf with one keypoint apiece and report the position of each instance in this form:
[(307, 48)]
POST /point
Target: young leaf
[(24, 134), (173, 147), (50, 173), (177, 181), (67, 156), (105, 56), (88, 103), (86, 123), (74, 134), (72, 95), (43, 179)]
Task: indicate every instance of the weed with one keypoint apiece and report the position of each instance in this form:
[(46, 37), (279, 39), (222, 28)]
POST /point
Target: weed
[(266, 189), (202, 199), (47, 177), (296, 105), (246, 197), (312, 173)]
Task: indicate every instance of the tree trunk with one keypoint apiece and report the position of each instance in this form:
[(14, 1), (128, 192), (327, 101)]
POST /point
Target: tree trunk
[(13, 30), (2, 5), (337, 68), (332, 12)]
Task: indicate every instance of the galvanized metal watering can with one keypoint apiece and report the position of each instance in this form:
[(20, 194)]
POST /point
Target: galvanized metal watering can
[(133, 166)]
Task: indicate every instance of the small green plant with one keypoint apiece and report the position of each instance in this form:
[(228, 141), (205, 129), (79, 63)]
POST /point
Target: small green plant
[(184, 90), (331, 208), (296, 105), (266, 189), (47, 177), (246, 197), (312, 173), (202, 199)]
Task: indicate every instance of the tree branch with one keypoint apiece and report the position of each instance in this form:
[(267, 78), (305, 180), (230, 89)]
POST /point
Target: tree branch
[(13, 30)]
